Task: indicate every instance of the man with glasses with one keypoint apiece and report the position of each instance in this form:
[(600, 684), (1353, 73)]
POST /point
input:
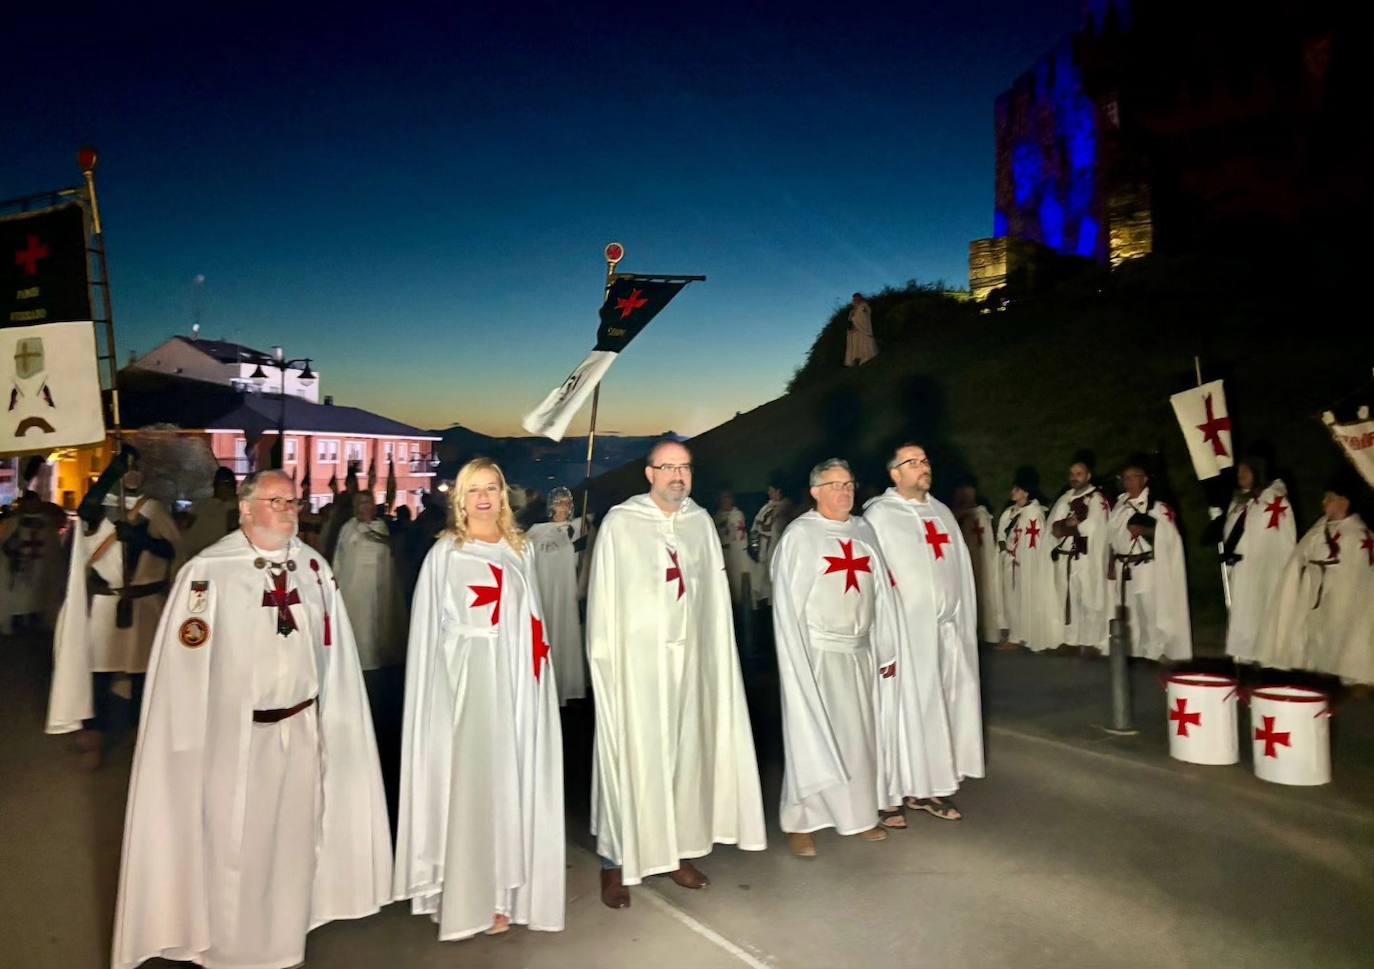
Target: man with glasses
[(237, 840), (674, 770), (941, 713), (836, 624)]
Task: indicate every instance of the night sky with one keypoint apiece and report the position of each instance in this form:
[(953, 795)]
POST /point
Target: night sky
[(419, 202)]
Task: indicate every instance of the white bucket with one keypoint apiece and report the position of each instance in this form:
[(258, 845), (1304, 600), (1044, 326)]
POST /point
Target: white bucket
[(1202, 718), (1290, 728)]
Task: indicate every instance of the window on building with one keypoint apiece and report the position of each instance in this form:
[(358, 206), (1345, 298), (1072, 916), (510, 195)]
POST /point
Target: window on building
[(354, 452), (415, 452), (327, 451), (291, 443), (387, 449)]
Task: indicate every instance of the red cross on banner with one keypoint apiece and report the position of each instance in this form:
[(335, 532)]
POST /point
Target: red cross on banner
[(937, 539), (1212, 427), (1273, 739), (630, 303), (28, 257), (848, 564), (280, 599), (489, 595), (674, 574), (1183, 718), (1206, 427)]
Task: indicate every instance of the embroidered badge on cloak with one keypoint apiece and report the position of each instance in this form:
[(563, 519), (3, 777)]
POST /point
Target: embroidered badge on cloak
[(200, 596), (194, 633)]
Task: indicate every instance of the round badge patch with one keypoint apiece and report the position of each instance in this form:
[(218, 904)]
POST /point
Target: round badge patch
[(194, 633)]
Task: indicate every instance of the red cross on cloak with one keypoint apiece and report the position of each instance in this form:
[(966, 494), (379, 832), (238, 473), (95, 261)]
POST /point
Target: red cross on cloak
[(278, 598), (1368, 545), (978, 530), (937, 539), (1211, 428), (674, 574), (1168, 512), (541, 646), (1184, 719), (1275, 508), (1033, 531), (628, 305), (28, 258), (848, 564), (489, 595), (1272, 738)]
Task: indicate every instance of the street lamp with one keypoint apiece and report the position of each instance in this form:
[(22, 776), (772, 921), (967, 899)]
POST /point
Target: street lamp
[(259, 378)]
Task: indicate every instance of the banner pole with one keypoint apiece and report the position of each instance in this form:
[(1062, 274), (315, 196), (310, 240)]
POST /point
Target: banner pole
[(614, 253)]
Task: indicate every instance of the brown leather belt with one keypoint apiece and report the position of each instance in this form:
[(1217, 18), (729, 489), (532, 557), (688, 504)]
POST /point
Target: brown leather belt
[(275, 716)]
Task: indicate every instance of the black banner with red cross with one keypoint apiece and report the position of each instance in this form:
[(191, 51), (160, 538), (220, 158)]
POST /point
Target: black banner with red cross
[(43, 267), (630, 304)]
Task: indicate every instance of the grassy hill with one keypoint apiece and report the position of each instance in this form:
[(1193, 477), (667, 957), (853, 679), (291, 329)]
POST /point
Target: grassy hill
[(1089, 364)]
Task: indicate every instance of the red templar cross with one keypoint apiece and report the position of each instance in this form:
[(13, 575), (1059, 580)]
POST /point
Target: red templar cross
[(488, 595), (1033, 532), (1272, 738), (279, 599), (978, 530), (936, 539), (28, 258), (1211, 428), (1184, 719), (628, 306), (1275, 508), (541, 646), (1368, 545), (849, 565), (675, 574)]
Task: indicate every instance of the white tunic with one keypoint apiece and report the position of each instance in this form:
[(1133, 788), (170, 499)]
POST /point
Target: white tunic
[(1080, 568), (934, 573), (242, 836), (764, 535), (1320, 615), (30, 566), (734, 544), (1027, 578), (976, 526), (480, 826), (555, 568), (674, 769), (1157, 593), (835, 623), (371, 588), (1261, 532), (859, 345)]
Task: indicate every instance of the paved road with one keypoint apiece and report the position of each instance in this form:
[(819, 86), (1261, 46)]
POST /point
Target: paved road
[(1078, 851)]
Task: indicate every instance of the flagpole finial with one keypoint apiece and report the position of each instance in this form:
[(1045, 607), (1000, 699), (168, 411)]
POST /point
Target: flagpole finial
[(614, 253)]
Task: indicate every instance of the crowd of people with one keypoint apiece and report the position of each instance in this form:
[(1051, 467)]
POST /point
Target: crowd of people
[(341, 709)]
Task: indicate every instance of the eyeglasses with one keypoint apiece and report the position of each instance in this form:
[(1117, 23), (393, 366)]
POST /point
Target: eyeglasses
[(672, 468), (847, 486), (283, 504), (919, 462)]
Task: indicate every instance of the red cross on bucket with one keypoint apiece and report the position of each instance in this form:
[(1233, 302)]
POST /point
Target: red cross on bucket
[(28, 258), (1211, 428), (278, 598), (936, 539), (488, 595), (849, 565), (1184, 719), (674, 574), (1273, 739)]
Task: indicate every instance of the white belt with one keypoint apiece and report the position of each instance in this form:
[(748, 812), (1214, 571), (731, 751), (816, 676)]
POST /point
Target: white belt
[(830, 642)]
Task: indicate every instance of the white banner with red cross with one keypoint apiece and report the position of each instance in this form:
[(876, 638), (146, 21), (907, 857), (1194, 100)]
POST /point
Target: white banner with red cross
[(1206, 426)]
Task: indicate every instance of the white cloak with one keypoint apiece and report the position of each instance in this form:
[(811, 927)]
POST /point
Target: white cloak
[(734, 544), (1028, 577), (1320, 615), (371, 589), (30, 567), (976, 526), (764, 535), (1080, 575), (480, 826), (87, 638), (1265, 543), (205, 807), (836, 624), (555, 569), (674, 769), (859, 345), (934, 573), (1157, 593)]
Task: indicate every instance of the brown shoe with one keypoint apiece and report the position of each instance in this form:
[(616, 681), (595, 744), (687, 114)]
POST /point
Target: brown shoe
[(689, 875), (873, 834), (614, 894), (802, 845)]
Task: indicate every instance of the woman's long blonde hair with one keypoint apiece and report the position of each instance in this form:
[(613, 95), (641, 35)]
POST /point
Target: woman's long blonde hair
[(457, 513)]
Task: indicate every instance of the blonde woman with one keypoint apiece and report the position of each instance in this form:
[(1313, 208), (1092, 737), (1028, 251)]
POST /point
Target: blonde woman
[(480, 829)]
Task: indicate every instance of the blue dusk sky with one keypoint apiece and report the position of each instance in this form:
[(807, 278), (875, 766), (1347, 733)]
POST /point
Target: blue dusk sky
[(418, 198)]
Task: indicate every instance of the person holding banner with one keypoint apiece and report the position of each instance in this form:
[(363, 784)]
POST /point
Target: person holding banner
[(1257, 538), (1319, 617), (674, 771), (1147, 556)]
